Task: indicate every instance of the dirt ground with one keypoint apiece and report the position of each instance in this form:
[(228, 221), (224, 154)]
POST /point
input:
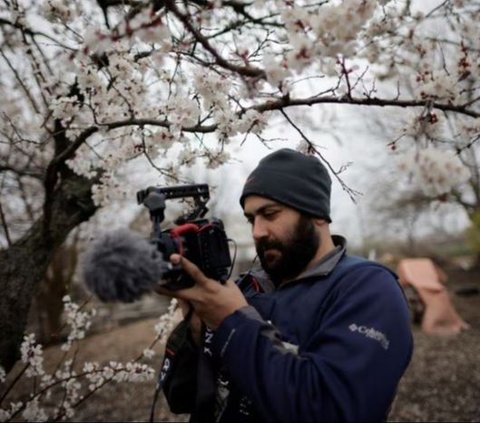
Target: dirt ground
[(441, 384)]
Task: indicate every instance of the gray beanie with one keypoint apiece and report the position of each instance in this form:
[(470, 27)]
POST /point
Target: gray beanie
[(294, 179)]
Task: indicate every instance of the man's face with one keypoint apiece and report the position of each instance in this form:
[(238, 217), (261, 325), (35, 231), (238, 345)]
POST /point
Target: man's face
[(286, 241)]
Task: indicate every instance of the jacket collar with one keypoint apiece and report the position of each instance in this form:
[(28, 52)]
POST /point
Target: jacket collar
[(322, 268), (328, 262)]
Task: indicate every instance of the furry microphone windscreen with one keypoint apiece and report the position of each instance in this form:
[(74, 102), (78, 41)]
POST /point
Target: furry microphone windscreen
[(122, 266)]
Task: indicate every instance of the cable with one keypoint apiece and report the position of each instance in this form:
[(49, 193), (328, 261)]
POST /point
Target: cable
[(234, 257)]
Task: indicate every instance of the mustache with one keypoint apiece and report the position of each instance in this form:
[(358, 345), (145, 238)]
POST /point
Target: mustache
[(266, 244)]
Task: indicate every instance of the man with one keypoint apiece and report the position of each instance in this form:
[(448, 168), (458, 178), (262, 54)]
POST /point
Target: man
[(316, 336)]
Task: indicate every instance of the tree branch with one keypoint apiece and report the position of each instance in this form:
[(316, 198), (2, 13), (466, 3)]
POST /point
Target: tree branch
[(20, 82), (22, 172), (249, 71), (5, 226), (367, 101), (351, 193), (286, 102), (34, 33)]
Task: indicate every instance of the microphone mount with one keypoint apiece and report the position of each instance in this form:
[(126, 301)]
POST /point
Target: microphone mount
[(154, 199)]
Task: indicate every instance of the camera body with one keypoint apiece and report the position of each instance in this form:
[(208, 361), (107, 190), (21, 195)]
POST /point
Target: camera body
[(202, 241)]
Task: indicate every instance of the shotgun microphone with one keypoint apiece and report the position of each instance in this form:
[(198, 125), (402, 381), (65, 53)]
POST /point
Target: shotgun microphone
[(123, 266)]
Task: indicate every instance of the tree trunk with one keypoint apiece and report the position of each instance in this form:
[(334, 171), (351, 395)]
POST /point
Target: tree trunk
[(47, 304), (24, 264)]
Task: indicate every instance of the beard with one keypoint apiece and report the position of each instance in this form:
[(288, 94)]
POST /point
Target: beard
[(284, 260)]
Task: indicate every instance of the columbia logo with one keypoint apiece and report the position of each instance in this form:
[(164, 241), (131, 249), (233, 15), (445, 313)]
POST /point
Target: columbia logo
[(372, 334)]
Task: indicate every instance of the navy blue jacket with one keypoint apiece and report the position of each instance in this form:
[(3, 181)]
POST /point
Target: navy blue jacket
[(329, 346)]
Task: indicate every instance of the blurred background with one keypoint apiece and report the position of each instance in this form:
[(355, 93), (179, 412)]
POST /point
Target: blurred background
[(379, 204), (443, 381)]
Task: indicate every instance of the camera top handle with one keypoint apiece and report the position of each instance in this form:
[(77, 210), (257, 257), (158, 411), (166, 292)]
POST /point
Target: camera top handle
[(154, 199)]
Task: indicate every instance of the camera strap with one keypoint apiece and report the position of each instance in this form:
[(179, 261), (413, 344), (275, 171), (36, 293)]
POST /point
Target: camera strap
[(174, 342), (204, 404), (254, 283)]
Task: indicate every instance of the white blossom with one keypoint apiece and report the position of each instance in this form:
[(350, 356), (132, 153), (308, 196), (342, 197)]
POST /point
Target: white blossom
[(143, 87), (438, 87), (57, 10), (162, 138), (151, 29), (33, 409), (89, 80), (470, 131), (32, 354), (301, 54), (277, 72), (46, 380), (337, 26), (89, 367), (226, 121), (217, 159), (65, 108), (33, 412), (296, 19), (97, 42), (187, 156), (78, 321), (108, 190), (251, 121), (427, 124), (6, 414), (133, 372), (303, 147), (183, 112), (166, 321), (148, 353), (435, 171), (212, 88)]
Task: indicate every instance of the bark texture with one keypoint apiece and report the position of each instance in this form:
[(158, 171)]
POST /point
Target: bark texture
[(24, 264)]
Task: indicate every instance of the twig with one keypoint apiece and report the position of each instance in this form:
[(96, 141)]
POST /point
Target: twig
[(5, 228), (17, 378), (351, 193)]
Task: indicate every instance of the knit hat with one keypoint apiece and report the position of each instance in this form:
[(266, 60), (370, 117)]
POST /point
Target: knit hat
[(294, 179)]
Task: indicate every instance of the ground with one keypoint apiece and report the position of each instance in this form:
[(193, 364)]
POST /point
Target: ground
[(442, 382)]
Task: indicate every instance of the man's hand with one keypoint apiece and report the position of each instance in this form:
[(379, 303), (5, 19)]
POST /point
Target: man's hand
[(211, 300)]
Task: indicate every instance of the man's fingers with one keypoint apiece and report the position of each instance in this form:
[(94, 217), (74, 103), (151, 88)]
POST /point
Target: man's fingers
[(164, 291), (184, 306), (191, 269)]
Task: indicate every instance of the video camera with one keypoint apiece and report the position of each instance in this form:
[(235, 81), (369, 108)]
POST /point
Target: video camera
[(202, 241)]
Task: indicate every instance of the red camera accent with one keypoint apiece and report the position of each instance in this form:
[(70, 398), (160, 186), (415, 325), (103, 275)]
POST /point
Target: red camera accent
[(186, 227), (177, 232)]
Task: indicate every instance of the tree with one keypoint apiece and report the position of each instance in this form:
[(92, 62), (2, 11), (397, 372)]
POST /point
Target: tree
[(443, 168), (170, 82), (396, 212)]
